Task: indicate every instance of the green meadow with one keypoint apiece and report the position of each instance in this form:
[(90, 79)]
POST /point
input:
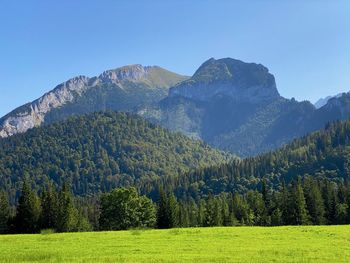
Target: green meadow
[(230, 244)]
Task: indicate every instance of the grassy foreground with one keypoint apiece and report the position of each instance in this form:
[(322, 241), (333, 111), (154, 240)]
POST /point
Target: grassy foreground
[(234, 244)]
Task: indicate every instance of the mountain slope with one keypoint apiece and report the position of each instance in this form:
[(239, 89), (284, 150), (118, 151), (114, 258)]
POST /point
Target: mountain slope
[(324, 154), (323, 101), (123, 88), (235, 106), (99, 151), (231, 105)]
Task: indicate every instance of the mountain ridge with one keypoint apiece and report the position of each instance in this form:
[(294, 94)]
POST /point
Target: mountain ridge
[(232, 105), (152, 79)]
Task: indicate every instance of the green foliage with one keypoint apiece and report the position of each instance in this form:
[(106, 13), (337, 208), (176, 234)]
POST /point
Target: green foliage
[(298, 215), (4, 212), (322, 155), (98, 152), (28, 210), (168, 211), (123, 209), (52, 211)]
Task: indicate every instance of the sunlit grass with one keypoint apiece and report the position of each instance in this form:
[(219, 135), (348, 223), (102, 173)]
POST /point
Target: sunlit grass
[(234, 244)]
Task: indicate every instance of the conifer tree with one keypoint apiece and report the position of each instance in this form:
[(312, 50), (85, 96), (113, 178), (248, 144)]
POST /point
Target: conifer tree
[(173, 211), (28, 210), (4, 212), (67, 216), (314, 201), (49, 208), (168, 212), (163, 220), (299, 213)]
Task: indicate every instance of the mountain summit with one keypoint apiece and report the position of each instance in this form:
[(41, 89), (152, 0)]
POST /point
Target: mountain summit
[(123, 88), (235, 106), (229, 77)]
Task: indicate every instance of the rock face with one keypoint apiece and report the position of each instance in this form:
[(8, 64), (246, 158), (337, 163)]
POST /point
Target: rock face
[(235, 106), (241, 81), (323, 101), (119, 89)]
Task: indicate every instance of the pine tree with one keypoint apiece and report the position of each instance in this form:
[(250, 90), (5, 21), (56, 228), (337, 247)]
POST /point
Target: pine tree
[(329, 194), (173, 211), (299, 213), (314, 201), (4, 212), (28, 211), (284, 204), (49, 208), (67, 216), (163, 220), (168, 211)]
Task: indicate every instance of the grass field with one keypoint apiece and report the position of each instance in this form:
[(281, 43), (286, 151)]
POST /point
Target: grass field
[(235, 244)]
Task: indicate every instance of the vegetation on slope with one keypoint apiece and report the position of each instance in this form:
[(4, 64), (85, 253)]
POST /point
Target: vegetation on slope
[(98, 152), (324, 154)]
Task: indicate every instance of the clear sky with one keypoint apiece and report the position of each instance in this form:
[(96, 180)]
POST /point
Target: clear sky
[(305, 44)]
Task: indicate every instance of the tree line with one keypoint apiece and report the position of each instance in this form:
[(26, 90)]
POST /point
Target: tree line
[(302, 202), (98, 152)]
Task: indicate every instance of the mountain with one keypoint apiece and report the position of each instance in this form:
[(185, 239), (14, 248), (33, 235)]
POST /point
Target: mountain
[(235, 106), (123, 88), (230, 104), (100, 151), (323, 101), (322, 155)]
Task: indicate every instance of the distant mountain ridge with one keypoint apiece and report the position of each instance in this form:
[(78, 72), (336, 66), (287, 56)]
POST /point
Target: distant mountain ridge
[(120, 89), (232, 105), (235, 106), (323, 101)]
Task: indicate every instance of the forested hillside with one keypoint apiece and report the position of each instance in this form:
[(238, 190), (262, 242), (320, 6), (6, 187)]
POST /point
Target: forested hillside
[(323, 154), (100, 151)]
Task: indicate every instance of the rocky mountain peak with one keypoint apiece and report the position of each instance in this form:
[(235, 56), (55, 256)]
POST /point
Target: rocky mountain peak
[(229, 77), (149, 85), (130, 72)]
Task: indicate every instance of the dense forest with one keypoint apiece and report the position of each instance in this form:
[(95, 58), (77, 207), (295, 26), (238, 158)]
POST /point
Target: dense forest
[(97, 152), (303, 202), (323, 154), (304, 182)]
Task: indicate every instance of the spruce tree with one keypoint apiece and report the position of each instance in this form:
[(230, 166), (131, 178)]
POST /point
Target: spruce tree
[(163, 220), (67, 216), (168, 212), (299, 213), (4, 212), (314, 202), (28, 211), (173, 211), (49, 208)]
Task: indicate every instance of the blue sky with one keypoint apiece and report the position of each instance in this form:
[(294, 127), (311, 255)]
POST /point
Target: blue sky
[(305, 44)]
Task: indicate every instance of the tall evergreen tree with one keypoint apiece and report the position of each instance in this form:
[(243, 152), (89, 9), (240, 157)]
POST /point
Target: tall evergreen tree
[(173, 211), (284, 204), (329, 193), (49, 208), (28, 210), (4, 212), (314, 201), (299, 213), (67, 216), (168, 211), (163, 220)]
